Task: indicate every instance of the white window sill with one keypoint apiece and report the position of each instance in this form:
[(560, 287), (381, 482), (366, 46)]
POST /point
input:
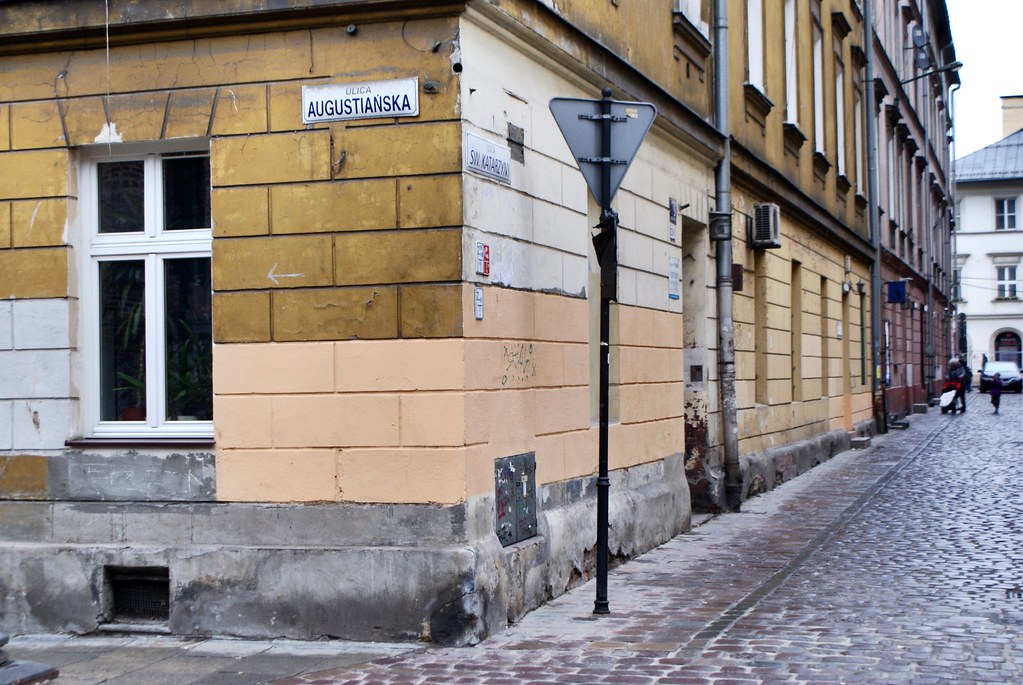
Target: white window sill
[(141, 441)]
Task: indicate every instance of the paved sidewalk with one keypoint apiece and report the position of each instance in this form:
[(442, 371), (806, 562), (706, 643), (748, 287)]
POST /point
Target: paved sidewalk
[(671, 607), (162, 660), (840, 576)]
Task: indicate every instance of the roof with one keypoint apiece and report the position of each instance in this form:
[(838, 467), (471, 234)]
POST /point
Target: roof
[(999, 161)]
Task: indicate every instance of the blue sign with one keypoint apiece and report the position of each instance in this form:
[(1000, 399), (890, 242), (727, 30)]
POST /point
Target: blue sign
[(896, 292)]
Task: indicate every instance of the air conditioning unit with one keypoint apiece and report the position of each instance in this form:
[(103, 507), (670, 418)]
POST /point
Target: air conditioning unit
[(765, 233)]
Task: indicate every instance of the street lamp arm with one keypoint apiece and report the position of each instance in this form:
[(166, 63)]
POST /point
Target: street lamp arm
[(955, 66)]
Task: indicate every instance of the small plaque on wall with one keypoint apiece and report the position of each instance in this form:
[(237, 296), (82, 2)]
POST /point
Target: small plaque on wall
[(737, 272)]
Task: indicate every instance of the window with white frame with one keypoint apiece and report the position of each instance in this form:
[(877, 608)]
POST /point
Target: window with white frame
[(895, 206), (1005, 278), (890, 170), (147, 291), (693, 11), (818, 79), (755, 43), (839, 107), (859, 142), (1005, 214), (791, 63), (905, 185)]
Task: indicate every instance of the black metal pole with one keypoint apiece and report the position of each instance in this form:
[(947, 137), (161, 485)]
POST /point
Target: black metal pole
[(607, 256), (878, 351), (600, 605)]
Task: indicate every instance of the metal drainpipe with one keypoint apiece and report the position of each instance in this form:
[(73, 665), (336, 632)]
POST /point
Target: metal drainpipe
[(928, 334), (880, 401), (721, 233), (955, 289), (929, 356)]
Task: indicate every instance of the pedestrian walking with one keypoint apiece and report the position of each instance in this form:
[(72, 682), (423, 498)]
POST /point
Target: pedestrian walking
[(947, 401), (956, 380), (995, 391)]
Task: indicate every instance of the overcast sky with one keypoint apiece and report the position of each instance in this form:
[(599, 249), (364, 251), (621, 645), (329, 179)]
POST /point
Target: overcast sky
[(988, 38)]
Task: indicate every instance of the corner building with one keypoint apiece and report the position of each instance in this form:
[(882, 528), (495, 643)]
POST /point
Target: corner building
[(267, 373), (341, 475)]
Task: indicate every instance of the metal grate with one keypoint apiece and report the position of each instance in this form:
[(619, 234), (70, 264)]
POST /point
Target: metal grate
[(139, 593)]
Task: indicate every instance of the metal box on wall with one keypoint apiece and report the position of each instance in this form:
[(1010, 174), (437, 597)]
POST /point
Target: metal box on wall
[(515, 494)]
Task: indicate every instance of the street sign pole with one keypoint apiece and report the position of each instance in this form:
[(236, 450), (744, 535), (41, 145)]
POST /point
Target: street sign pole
[(603, 160), (608, 238)]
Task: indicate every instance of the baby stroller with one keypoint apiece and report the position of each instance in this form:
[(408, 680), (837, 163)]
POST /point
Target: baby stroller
[(948, 397)]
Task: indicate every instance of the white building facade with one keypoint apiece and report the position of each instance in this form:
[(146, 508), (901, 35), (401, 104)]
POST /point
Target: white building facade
[(989, 250)]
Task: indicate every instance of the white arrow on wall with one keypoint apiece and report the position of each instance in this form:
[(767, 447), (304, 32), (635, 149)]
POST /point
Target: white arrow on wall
[(273, 277)]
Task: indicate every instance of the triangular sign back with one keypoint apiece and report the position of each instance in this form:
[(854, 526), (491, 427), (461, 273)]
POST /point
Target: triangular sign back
[(631, 121)]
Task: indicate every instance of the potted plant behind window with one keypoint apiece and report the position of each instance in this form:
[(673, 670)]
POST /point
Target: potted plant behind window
[(124, 319), (189, 374), (137, 384)]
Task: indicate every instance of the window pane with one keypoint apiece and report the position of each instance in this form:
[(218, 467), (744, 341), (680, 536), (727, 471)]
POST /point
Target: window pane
[(187, 291), (755, 42), (840, 114), (122, 341), (791, 84), (818, 87), (121, 193), (1008, 347), (186, 193)]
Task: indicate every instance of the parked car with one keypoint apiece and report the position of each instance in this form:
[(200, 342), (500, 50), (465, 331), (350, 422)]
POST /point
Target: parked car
[(1009, 372)]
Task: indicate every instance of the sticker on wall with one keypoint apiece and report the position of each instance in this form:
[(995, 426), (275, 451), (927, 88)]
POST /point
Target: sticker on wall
[(478, 301), (673, 278), (482, 259), (367, 100), (487, 158), (672, 219)]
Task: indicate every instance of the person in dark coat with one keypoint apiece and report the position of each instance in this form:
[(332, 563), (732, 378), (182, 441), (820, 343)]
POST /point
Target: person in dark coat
[(995, 390)]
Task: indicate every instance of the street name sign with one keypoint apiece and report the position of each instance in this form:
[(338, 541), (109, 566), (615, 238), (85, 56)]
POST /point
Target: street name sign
[(487, 158), (366, 100)]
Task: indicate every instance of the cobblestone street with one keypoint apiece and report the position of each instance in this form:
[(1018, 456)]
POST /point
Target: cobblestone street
[(901, 563), (897, 564)]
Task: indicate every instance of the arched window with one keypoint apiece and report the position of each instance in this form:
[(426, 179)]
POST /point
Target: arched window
[(1008, 348)]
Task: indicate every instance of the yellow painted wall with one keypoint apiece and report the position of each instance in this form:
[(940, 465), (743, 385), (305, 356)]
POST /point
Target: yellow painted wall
[(846, 402), (423, 420), (768, 141), (367, 219), (348, 365), (368, 212), (642, 34)]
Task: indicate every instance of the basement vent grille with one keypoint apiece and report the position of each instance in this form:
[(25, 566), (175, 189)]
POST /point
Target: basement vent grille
[(139, 593)]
